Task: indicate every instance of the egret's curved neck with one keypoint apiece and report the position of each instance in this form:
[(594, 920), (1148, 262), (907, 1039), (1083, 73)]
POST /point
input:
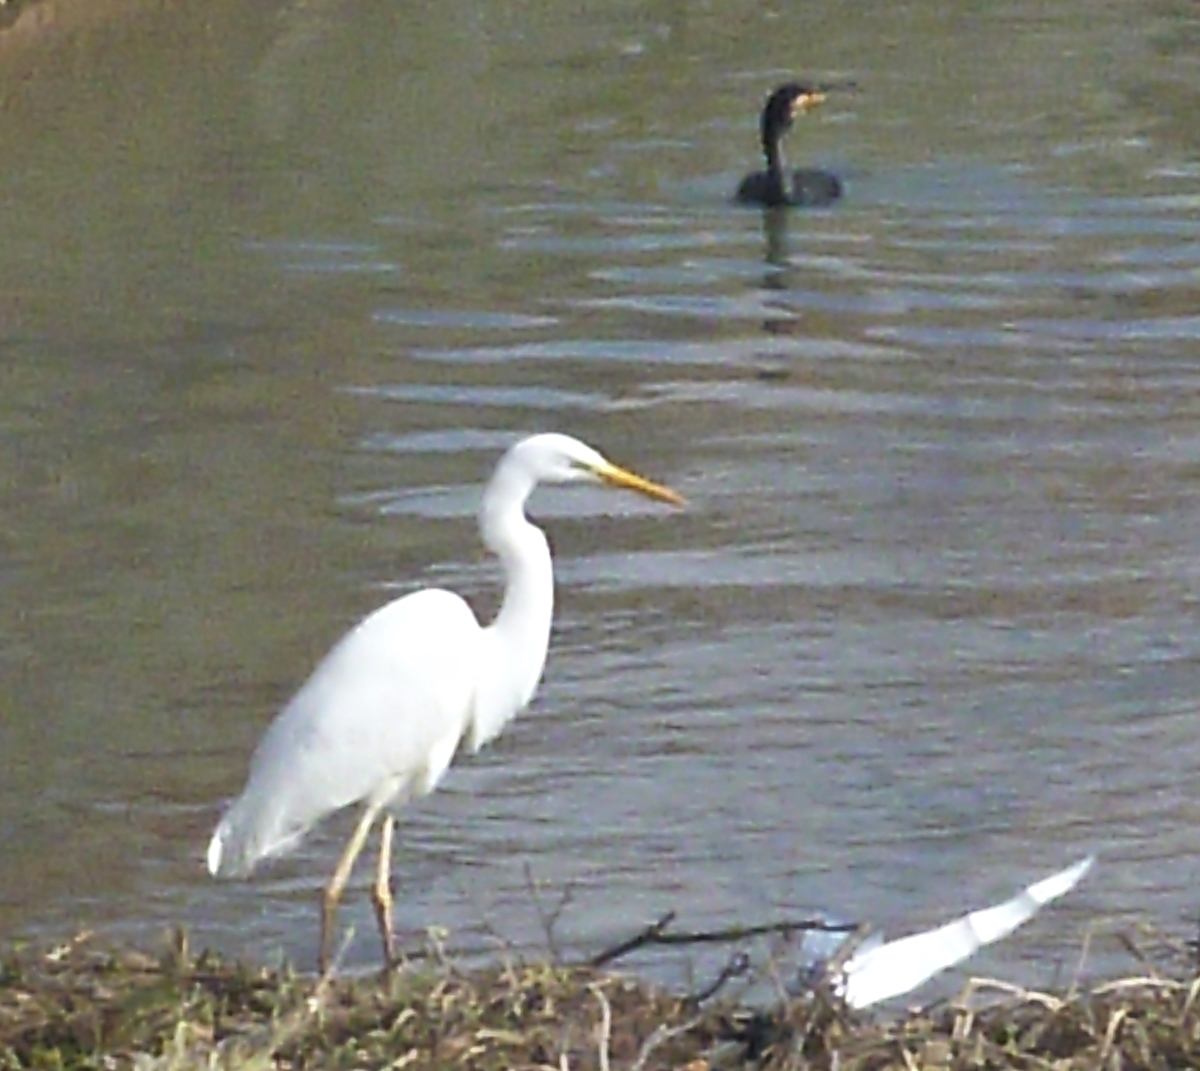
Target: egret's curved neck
[(523, 624)]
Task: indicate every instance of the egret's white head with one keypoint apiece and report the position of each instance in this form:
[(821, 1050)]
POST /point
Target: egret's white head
[(554, 458)]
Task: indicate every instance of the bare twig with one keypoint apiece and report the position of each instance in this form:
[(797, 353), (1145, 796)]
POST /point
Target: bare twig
[(1073, 988), (1029, 996), (772, 970), (661, 1035), (737, 966), (548, 917), (964, 1019), (1110, 1035), (1193, 991), (833, 976), (1127, 941), (435, 946), (485, 917), (602, 1042), (1144, 982)]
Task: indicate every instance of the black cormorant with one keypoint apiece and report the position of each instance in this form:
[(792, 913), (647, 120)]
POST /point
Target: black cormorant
[(774, 187)]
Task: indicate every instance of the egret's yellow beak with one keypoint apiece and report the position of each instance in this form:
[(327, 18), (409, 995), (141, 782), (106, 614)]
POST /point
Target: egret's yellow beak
[(619, 477), (807, 101)]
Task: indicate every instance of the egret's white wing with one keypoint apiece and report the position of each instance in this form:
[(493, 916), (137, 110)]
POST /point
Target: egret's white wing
[(898, 967), (394, 692)]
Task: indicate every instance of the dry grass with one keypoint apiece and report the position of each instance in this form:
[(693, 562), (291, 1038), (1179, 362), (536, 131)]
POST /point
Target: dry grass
[(83, 1005)]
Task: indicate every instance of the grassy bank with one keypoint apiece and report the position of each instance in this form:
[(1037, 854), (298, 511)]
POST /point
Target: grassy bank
[(83, 1005)]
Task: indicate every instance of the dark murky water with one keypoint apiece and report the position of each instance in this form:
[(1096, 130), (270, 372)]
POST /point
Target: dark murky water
[(274, 295)]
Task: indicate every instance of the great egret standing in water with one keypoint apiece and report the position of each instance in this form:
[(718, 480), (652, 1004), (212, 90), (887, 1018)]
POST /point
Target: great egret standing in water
[(383, 714)]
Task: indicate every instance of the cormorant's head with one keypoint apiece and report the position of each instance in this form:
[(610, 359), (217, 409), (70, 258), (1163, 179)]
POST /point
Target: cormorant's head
[(785, 104)]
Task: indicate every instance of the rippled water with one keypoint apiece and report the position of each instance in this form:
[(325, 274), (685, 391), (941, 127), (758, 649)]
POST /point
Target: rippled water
[(927, 629)]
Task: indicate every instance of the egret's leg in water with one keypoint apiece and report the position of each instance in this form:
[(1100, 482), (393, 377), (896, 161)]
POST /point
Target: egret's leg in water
[(333, 891), (381, 894)]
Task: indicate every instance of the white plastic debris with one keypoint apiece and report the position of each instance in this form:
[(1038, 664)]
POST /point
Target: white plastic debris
[(898, 967)]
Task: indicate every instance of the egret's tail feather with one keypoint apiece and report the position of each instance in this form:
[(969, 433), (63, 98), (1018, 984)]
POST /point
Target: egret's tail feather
[(229, 856), (235, 850), (215, 847)]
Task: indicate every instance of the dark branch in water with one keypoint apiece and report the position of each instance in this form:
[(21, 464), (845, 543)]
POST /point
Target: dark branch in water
[(656, 934), (738, 966), (652, 935)]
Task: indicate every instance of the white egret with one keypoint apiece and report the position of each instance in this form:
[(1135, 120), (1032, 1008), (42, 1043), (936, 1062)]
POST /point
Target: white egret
[(383, 714)]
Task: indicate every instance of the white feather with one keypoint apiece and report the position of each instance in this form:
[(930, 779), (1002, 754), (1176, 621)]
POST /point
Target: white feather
[(898, 967)]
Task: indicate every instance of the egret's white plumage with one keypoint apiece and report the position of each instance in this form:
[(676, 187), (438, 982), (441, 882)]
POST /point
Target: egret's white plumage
[(891, 969), (347, 735), (383, 714)]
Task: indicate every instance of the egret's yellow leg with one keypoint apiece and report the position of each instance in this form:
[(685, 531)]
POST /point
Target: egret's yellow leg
[(381, 894), (333, 891)]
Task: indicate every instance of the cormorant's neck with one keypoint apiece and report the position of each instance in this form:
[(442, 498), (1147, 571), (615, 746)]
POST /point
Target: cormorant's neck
[(773, 151), (776, 166)]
